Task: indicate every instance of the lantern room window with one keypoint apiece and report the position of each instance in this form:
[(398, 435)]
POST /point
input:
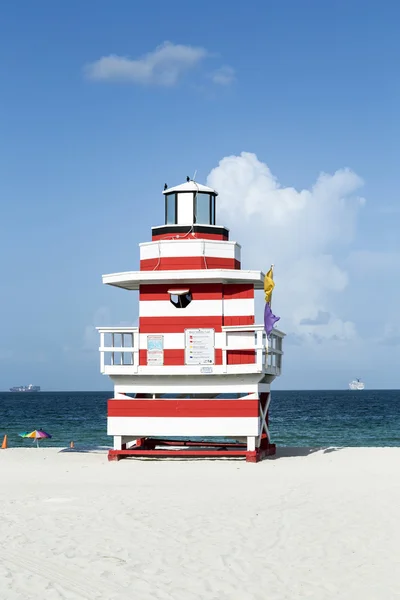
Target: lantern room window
[(204, 208), (170, 209), (180, 298)]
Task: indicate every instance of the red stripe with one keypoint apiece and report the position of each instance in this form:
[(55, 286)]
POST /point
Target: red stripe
[(195, 236), (179, 324), (239, 320), (241, 357), (183, 408), (205, 291), (173, 263), (176, 356), (238, 290)]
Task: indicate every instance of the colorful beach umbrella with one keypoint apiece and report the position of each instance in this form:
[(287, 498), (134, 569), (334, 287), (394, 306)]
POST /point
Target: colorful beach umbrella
[(37, 434)]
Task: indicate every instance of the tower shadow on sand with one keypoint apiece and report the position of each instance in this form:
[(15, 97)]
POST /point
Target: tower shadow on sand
[(295, 452)]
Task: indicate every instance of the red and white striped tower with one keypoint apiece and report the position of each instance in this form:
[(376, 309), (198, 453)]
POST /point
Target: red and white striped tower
[(197, 366)]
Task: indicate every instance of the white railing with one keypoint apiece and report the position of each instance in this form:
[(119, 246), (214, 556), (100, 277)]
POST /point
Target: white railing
[(274, 353), (119, 346), (268, 352), (119, 351)]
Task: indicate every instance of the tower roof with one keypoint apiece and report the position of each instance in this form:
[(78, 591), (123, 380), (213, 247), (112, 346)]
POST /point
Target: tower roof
[(190, 186), (132, 280)]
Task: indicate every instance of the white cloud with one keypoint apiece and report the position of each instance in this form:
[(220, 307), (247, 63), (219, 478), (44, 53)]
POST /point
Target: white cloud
[(298, 231), (164, 66), (223, 76)]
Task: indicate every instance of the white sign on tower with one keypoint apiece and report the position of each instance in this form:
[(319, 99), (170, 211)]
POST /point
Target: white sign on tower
[(155, 350), (199, 346)]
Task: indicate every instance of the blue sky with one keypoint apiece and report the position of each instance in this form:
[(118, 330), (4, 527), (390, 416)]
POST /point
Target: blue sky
[(301, 88)]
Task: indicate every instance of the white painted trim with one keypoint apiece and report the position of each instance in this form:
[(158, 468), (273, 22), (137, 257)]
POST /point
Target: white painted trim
[(131, 280), (251, 396), (278, 333), (189, 248), (236, 307), (251, 443), (117, 329), (174, 241), (216, 227), (263, 427), (242, 327), (185, 370), (120, 396), (178, 292), (190, 186), (175, 385), (183, 426)]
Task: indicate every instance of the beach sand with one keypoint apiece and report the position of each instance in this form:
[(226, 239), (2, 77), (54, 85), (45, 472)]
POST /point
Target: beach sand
[(307, 524)]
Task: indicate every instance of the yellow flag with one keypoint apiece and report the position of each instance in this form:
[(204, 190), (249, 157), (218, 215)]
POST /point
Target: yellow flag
[(269, 285)]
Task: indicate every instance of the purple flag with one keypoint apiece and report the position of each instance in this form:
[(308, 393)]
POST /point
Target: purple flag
[(269, 318)]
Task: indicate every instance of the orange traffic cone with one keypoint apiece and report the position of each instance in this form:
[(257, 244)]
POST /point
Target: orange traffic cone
[(4, 444)]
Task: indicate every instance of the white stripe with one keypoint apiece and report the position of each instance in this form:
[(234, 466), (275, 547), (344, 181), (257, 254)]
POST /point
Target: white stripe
[(189, 248), (175, 384), (198, 308), (240, 339), (239, 307), (184, 426), (176, 341)]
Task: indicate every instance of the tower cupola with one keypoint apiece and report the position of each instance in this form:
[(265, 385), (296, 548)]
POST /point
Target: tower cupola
[(190, 208), (190, 203)]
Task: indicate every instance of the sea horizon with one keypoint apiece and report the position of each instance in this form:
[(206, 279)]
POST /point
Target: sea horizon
[(307, 418), (91, 391)]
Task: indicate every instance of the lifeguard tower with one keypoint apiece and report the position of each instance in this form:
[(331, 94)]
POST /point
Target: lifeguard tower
[(193, 379)]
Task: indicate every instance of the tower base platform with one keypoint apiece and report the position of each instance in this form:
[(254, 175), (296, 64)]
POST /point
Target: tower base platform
[(161, 448)]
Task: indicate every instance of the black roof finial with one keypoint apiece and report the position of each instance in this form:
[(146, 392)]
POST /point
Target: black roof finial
[(165, 186), (187, 178)]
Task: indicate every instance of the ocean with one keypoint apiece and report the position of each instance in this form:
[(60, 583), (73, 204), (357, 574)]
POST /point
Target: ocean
[(304, 418)]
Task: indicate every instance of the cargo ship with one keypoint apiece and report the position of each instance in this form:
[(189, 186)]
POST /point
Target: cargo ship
[(26, 388)]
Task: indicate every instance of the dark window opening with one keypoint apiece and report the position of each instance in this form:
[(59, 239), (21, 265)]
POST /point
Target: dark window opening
[(170, 209), (180, 299)]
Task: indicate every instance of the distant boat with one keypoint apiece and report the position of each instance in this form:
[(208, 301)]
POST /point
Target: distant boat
[(356, 384), (26, 388)]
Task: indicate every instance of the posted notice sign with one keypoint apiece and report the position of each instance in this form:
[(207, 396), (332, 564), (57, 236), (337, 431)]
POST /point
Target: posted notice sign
[(155, 350), (199, 346)]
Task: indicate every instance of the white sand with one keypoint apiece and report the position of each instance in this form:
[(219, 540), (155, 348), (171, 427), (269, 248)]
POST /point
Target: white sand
[(316, 526)]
